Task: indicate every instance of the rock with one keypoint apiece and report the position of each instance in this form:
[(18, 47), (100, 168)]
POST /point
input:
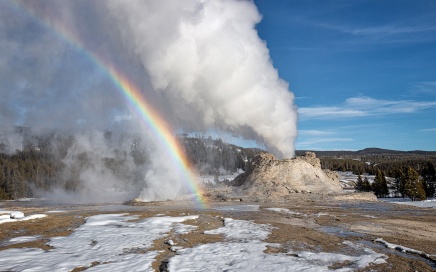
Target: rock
[(270, 177)]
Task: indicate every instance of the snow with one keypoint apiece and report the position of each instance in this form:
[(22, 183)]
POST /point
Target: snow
[(16, 216), (348, 180), (23, 239), (170, 242), (239, 208), (429, 203), (283, 210), (401, 248), (117, 242), (368, 216), (242, 230), (212, 180), (112, 239), (244, 251)]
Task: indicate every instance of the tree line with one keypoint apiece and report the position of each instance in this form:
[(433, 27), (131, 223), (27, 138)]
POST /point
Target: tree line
[(41, 167), (413, 177)]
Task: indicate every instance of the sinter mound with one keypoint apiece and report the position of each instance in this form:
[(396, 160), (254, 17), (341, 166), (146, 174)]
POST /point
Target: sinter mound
[(303, 174)]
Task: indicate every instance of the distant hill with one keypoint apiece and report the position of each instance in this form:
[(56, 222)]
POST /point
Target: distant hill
[(373, 151)]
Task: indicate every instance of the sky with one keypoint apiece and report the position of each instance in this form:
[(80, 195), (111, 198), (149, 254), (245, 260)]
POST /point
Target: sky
[(363, 71)]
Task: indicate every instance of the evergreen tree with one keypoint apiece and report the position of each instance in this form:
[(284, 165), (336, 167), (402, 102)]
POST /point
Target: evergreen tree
[(380, 185), (366, 185), (413, 187), (359, 184), (397, 186), (429, 179)]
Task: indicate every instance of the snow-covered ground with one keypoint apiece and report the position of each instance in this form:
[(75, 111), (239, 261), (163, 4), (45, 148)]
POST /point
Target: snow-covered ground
[(213, 180), (283, 210), (348, 179), (116, 242), (240, 208), (401, 248), (429, 203), (14, 216)]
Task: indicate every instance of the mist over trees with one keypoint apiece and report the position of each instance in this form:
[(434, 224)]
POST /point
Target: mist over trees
[(45, 162)]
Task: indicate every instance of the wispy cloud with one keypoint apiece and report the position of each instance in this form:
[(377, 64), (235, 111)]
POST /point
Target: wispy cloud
[(427, 87), (364, 106), (329, 112), (312, 132), (392, 34), (428, 130), (313, 141), (379, 30)]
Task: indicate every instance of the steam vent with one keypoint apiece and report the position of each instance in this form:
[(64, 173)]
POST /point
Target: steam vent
[(303, 174)]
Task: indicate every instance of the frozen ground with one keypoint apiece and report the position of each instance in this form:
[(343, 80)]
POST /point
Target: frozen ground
[(429, 203), (215, 180), (108, 239), (111, 242), (308, 233), (243, 250)]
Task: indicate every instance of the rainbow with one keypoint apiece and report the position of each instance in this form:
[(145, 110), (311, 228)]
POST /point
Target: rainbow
[(136, 100)]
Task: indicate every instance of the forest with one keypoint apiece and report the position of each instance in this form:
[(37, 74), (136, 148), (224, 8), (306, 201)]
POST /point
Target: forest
[(413, 172), (46, 161)]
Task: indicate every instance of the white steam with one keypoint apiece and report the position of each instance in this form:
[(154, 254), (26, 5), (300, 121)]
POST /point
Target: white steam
[(201, 63), (215, 71)]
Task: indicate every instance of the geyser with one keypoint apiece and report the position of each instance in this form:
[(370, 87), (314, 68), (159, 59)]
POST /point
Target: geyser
[(208, 61), (201, 63)]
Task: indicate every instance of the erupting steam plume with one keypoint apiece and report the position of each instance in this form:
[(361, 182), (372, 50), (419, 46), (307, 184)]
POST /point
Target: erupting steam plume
[(200, 63), (207, 54)]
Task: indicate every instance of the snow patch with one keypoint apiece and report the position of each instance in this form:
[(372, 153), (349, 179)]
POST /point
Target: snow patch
[(22, 239), (112, 240), (245, 251), (402, 248), (239, 208), (17, 216), (429, 203), (283, 210), (242, 230), (56, 211)]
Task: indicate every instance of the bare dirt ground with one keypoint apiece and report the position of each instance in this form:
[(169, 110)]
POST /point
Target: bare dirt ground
[(316, 223)]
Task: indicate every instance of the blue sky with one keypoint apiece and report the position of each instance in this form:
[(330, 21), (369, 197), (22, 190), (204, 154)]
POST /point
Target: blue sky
[(363, 71)]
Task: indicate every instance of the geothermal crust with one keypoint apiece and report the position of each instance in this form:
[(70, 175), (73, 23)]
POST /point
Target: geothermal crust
[(303, 174)]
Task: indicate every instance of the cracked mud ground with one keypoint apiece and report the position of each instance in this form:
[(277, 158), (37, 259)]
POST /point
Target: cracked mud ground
[(314, 224)]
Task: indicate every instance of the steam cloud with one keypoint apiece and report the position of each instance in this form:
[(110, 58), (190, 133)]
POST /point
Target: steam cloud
[(200, 62), (208, 55)]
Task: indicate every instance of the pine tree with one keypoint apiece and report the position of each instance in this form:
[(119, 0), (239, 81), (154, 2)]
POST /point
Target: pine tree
[(359, 184), (413, 187), (366, 185), (380, 185), (429, 179), (397, 182)]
